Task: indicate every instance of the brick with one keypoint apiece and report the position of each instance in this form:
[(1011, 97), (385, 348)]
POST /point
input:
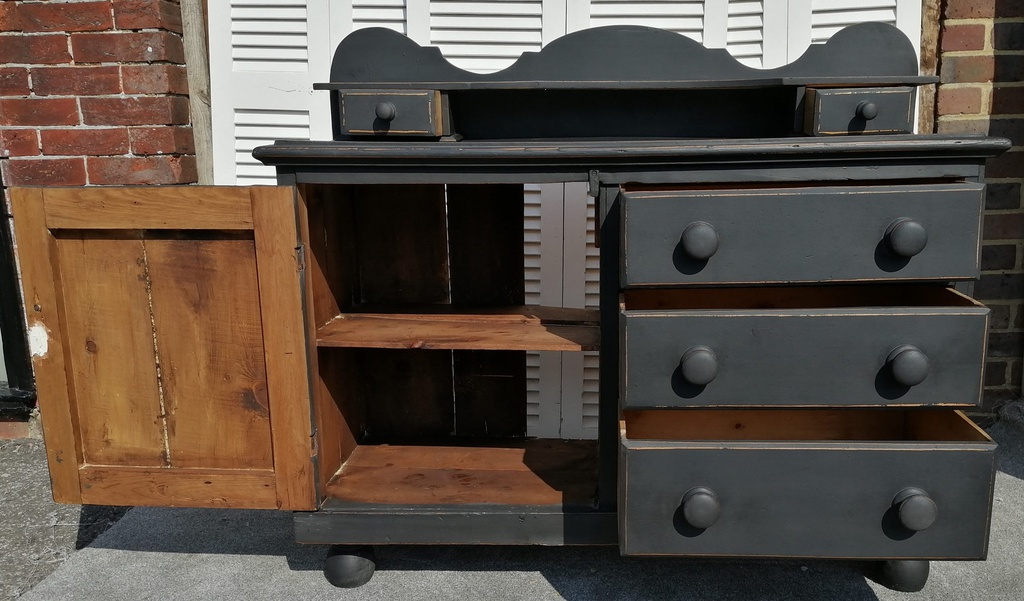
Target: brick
[(38, 111), (127, 47), (993, 256), (9, 17), (958, 101), (162, 140), (999, 286), (962, 126), (147, 14), (995, 373), (52, 16), (1005, 344), (1008, 36), (154, 79), (1018, 319), (14, 81), (1007, 101), (1009, 164), (76, 81), (143, 170), (999, 319), (1009, 67), (36, 49), (48, 172), (141, 110), (1003, 226), (1015, 374), (963, 37), (980, 9), (963, 69), (85, 142), (19, 142), (1012, 128), (14, 430), (1002, 196)]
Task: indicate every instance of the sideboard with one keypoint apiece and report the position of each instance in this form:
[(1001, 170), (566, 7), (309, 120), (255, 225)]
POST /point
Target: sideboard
[(785, 327)]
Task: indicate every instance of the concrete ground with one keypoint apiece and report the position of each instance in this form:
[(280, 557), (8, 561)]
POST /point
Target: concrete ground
[(190, 554)]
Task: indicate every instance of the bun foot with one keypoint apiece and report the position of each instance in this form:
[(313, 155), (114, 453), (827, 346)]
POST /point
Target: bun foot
[(349, 566), (905, 575)]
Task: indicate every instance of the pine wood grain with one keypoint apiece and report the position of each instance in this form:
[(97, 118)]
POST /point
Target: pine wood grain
[(109, 333), (40, 281), (470, 332), (235, 489), (944, 426), (286, 344), (537, 472), (150, 207), (206, 309), (760, 424)]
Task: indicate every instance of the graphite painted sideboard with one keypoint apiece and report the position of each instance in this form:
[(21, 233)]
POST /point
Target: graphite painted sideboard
[(785, 330)]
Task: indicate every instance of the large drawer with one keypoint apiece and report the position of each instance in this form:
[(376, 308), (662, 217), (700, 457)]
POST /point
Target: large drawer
[(811, 234), (814, 347), (805, 483)]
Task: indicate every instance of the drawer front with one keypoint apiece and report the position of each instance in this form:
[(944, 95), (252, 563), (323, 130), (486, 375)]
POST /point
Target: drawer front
[(841, 111), (780, 235), (814, 358), (786, 502), (395, 113)]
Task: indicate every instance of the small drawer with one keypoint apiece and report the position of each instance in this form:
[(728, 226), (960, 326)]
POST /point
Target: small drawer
[(814, 483), (842, 111), (811, 234), (811, 347), (392, 113)]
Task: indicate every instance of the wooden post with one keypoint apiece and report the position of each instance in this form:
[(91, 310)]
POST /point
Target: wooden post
[(197, 60)]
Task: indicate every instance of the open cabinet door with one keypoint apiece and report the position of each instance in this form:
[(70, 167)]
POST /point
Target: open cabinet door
[(168, 336)]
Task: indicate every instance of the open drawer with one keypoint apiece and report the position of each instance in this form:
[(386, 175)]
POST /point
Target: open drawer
[(866, 484), (814, 347)]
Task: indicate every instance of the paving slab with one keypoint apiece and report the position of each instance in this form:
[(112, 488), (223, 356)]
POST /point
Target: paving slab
[(189, 554)]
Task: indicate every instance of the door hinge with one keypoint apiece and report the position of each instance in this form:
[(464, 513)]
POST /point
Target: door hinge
[(594, 183), (300, 257)]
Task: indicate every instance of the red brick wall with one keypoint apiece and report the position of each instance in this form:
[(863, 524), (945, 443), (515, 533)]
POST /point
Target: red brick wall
[(94, 92), (981, 68)]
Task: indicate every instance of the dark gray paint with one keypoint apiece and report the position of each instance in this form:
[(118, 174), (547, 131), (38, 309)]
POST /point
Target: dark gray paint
[(833, 111), (808, 357), (468, 524), (832, 501), (624, 57), (415, 113), (801, 234)]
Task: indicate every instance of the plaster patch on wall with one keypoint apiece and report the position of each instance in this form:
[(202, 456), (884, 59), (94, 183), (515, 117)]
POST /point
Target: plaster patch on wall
[(38, 340)]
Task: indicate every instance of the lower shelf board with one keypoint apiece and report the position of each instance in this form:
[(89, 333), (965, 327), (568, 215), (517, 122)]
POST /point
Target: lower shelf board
[(537, 472)]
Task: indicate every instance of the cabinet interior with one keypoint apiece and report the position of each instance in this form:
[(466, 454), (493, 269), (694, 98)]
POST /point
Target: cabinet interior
[(797, 297), (421, 331)]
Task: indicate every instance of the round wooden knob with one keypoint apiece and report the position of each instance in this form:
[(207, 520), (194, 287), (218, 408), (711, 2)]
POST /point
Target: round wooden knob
[(700, 240), (386, 111), (906, 237), (909, 365), (701, 507), (699, 365), (867, 110), (917, 510)]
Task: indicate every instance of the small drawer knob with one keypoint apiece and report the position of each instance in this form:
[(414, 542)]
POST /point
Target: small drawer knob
[(917, 511), (386, 111), (867, 110), (701, 508), (906, 237), (699, 365), (700, 240), (909, 365)]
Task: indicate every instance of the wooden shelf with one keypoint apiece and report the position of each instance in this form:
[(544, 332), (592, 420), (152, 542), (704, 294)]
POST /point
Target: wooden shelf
[(448, 327), (531, 472)]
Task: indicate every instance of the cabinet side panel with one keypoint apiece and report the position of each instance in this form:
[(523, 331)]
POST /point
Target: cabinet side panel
[(209, 335), (37, 259), (109, 333)]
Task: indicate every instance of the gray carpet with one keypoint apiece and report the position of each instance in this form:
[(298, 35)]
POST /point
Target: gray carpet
[(189, 554)]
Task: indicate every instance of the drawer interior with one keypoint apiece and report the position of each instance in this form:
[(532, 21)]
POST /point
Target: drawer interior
[(803, 425), (819, 297)]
